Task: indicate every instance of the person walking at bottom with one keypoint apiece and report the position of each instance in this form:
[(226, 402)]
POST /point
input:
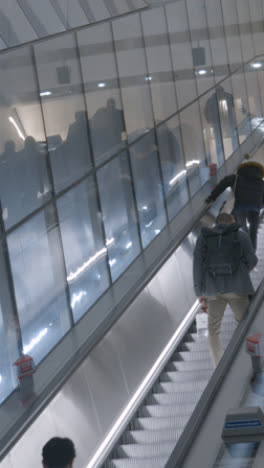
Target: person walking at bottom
[(223, 259)]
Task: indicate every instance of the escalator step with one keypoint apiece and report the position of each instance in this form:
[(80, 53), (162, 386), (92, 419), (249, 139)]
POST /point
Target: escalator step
[(151, 437), (158, 411), (158, 462), (185, 376), (153, 424), (145, 450), (178, 387), (173, 398)]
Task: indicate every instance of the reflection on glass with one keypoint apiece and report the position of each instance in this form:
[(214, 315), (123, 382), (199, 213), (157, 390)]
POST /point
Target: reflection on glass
[(243, 11), (243, 118), (181, 50), (217, 38), (148, 188), (8, 334), (222, 103), (253, 92), (38, 276), (232, 33), (24, 184), (201, 47), (122, 239), (174, 173), (134, 78), (64, 109), (83, 245), (212, 128), (159, 64), (102, 91), (196, 164)]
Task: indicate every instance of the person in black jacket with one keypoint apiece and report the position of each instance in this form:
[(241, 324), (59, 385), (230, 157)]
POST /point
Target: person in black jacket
[(248, 188), (58, 453)]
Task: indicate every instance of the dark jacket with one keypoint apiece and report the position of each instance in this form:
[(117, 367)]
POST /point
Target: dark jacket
[(248, 184), (239, 282)]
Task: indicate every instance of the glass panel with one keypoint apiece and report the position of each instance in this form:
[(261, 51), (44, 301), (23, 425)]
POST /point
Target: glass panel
[(226, 110), (24, 184), (245, 29), (148, 188), (256, 13), (173, 166), (254, 101), (196, 163), (8, 334), (212, 128), (217, 38), (232, 33), (260, 73), (119, 214), (42, 16), (159, 64), (15, 27), (201, 48), (64, 109), (38, 275), (102, 91), (241, 105), (181, 53), (83, 244), (133, 75)]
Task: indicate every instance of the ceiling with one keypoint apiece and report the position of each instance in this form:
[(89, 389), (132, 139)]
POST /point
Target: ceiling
[(24, 21)]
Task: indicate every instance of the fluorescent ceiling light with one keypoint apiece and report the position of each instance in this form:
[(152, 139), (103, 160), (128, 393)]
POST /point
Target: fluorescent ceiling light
[(101, 85), (256, 65), (45, 93), (16, 127), (202, 72)]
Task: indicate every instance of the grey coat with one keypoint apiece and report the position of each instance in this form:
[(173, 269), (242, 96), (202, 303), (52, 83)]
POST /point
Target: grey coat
[(238, 283)]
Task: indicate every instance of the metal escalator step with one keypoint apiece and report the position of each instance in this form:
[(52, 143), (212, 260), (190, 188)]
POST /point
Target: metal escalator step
[(178, 387), (194, 365), (173, 398), (186, 376), (145, 450), (151, 437), (157, 462), (158, 411), (191, 355), (152, 424)]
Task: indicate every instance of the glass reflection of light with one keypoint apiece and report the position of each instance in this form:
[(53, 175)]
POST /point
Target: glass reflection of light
[(35, 341), (148, 78), (85, 265), (129, 244), (13, 122), (112, 262), (76, 298), (193, 162), (110, 241), (202, 72), (101, 85), (177, 177), (0, 378), (157, 231), (45, 93), (223, 104), (256, 65)]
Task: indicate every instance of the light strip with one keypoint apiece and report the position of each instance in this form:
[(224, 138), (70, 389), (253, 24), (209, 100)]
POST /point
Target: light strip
[(35, 341), (122, 421), (178, 176), (85, 265), (191, 163), (16, 127)]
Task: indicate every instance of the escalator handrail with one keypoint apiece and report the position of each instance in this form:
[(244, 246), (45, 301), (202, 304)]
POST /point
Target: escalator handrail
[(183, 445)]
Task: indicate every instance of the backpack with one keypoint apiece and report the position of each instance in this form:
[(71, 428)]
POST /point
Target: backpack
[(222, 252)]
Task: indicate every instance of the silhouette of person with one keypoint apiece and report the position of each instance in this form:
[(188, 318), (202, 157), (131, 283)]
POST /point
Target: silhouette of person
[(219, 112), (107, 126), (8, 183), (76, 148)]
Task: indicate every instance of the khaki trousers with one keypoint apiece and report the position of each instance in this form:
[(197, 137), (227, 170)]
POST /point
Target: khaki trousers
[(216, 309)]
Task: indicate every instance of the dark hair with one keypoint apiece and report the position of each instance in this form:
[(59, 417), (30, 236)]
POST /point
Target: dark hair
[(224, 218), (58, 452)]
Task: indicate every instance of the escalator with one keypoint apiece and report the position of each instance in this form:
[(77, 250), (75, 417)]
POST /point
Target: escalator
[(159, 423)]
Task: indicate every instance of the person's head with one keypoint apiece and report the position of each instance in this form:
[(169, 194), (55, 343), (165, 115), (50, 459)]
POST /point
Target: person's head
[(10, 146), (225, 218), (58, 453), (30, 143), (111, 104)]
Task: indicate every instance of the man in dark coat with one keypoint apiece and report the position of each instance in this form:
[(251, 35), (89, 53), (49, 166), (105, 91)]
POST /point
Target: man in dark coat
[(223, 258), (58, 453), (248, 188)]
